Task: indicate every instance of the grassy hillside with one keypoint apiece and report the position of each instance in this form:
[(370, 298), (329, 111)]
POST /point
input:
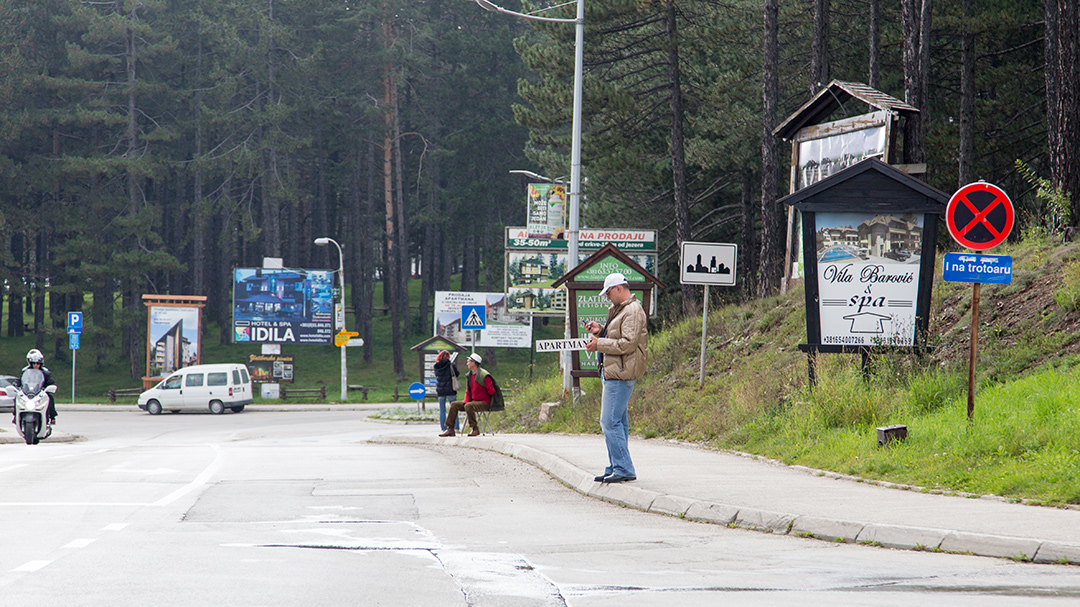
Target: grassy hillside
[(1023, 442), (315, 365)]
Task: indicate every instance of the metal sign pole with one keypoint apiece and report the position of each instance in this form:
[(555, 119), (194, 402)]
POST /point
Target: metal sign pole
[(73, 353), (974, 349), (704, 328)]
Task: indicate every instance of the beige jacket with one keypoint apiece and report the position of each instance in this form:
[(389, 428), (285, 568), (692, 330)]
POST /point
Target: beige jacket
[(625, 344)]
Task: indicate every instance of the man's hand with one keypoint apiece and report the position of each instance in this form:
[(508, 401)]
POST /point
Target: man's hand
[(593, 343), (593, 327)]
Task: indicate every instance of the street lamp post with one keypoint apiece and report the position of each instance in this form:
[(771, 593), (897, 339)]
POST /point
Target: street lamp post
[(339, 320), (575, 147)]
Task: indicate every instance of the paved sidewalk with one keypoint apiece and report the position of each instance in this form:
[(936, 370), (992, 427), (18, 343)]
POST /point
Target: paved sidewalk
[(753, 493)]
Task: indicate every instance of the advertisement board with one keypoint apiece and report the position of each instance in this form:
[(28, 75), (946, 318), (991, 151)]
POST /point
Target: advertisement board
[(547, 210), (505, 328), (829, 148), (172, 338), (868, 275), (276, 368), (533, 264), (283, 306)]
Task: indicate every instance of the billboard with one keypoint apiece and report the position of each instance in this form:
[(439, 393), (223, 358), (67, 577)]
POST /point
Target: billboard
[(506, 328), (275, 368), (172, 338), (283, 306), (547, 210), (534, 263), (868, 269)]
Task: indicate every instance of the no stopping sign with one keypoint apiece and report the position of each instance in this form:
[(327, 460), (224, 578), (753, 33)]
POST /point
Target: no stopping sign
[(979, 216)]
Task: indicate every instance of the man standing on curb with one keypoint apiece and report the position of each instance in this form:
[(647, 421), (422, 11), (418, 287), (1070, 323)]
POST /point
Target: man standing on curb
[(622, 345)]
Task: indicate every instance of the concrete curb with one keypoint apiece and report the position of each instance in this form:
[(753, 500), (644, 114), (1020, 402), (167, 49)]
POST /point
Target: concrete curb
[(780, 523), (13, 438)]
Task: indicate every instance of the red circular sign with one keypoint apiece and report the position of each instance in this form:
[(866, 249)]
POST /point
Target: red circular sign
[(979, 216)]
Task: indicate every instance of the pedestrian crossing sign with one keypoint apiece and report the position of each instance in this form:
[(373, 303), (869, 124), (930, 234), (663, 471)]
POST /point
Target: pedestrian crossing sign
[(474, 317)]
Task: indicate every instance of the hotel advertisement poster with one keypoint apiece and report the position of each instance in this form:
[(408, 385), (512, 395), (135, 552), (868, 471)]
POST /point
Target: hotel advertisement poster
[(868, 277)]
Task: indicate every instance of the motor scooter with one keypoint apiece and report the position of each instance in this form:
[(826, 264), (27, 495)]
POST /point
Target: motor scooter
[(31, 406)]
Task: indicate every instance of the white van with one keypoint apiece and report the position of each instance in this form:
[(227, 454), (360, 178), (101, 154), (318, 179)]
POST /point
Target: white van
[(217, 387)]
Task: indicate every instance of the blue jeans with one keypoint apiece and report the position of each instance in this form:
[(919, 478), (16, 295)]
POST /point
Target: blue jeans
[(443, 402), (616, 424)]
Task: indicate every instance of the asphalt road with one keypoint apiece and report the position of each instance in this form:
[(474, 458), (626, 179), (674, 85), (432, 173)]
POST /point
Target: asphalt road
[(296, 508)]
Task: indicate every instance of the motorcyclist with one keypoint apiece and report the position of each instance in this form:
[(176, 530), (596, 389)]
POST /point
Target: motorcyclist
[(36, 360)]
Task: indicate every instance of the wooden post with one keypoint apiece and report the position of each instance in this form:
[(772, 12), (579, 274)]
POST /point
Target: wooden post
[(974, 349), (704, 326)]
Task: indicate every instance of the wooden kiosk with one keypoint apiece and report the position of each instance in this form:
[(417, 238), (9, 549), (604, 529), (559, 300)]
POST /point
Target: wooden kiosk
[(584, 284)]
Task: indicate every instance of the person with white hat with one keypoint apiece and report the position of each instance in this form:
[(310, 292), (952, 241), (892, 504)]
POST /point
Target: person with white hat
[(479, 388), (622, 344)]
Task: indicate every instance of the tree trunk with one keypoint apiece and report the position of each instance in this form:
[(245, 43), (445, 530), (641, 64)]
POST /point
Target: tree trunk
[(367, 244), (1053, 77), (915, 23), (819, 61), (772, 218), (967, 98), (875, 44), (748, 246), (1064, 157), (404, 258), (678, 153), (390, 280)]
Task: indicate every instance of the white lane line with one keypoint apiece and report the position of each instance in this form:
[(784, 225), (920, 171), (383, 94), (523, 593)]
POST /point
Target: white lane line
[(114, 527), (10, 468), (81, 543), (77, 504), (199, 481), (31, 566)]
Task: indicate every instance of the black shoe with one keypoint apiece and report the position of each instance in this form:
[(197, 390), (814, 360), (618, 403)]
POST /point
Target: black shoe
[(600, 478), (617, 478)]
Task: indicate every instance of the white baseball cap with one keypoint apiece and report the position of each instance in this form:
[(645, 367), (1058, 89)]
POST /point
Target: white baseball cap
[(613, 280), (476, 358)]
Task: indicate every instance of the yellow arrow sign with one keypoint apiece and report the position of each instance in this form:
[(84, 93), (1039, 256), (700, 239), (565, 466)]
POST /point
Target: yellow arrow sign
[(342, 337)]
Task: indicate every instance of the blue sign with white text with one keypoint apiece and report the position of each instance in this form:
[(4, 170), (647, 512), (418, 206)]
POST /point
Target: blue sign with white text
[(73, 341), (971, 267)]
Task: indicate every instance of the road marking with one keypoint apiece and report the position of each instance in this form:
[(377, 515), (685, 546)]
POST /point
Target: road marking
[(81, 543), (31, 566), (114, 527), (199, 481), (148, 472)]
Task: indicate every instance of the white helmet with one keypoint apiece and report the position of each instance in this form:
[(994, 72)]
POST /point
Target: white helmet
[(35, 356)]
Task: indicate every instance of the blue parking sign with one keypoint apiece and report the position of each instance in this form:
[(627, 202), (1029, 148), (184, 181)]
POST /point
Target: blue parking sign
[(75, 323), (73, 341)]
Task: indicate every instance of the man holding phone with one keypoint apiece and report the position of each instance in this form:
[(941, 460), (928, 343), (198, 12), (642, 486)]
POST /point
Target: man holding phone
[(622, 346)]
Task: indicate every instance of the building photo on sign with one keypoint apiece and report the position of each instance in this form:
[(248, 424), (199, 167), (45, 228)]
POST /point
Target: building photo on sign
[(505, 328), (868, 276), (283, 306), (173, 338)]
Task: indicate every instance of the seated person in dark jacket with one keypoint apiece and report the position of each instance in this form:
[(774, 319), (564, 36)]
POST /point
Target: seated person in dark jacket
[(479, 388)]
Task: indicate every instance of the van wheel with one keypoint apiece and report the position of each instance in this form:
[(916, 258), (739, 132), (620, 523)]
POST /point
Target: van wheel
[(237, 408), (216, 407), (153, 407)]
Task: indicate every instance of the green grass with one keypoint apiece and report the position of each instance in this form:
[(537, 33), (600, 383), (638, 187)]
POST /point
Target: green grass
[(315, 365)]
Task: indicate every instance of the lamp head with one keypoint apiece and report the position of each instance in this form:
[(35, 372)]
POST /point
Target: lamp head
[(322, 242)]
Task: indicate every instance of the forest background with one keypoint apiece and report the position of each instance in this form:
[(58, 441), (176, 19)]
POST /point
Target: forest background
[(153, 146)]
